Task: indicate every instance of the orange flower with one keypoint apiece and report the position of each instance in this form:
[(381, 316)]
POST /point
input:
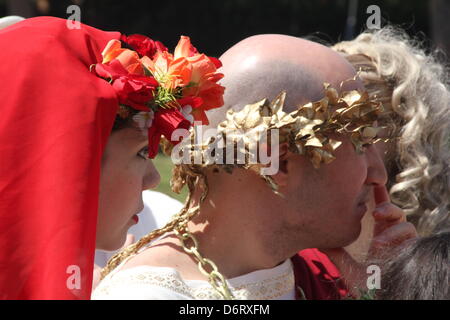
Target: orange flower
[(170, 72), (128, 59), (184, 48), (191, 71), (212, 96), (203, 81)]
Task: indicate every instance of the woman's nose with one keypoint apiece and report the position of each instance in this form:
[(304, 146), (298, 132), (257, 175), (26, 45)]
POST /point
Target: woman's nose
[(152, 177), (376, 173)]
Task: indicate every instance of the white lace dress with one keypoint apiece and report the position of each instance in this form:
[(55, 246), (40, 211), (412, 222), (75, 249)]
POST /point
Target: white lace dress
[(161, 283)]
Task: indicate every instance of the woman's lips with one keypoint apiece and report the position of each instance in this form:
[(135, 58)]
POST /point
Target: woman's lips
[(135, 218)]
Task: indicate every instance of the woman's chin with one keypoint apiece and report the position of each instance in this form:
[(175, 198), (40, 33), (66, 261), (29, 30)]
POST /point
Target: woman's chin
[(112, 244)]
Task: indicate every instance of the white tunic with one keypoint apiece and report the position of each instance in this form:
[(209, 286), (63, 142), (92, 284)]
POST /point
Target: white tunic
[(161, 283)]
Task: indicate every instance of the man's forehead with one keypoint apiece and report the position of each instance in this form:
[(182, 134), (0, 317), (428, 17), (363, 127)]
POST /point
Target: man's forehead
[(324, 61), (246, 83)]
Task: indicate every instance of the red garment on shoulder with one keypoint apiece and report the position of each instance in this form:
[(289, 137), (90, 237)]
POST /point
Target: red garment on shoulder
[(55, 119), (318, 277)]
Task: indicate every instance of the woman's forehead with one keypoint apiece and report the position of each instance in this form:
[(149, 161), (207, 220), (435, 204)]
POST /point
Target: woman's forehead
[(132, 135)]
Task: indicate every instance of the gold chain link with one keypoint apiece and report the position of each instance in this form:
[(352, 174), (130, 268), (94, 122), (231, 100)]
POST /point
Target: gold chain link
[(215, 278)]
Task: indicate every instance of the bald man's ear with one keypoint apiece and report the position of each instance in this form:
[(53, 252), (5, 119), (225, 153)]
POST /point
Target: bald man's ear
[(281, 177)]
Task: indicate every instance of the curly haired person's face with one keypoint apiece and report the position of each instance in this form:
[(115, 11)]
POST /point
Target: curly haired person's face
[(125, 173)]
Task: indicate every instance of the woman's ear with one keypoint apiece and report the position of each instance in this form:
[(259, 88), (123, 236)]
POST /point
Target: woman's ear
[(281, 177)]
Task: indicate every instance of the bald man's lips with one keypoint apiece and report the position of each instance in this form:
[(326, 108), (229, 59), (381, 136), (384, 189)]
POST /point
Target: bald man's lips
[(365, 197)]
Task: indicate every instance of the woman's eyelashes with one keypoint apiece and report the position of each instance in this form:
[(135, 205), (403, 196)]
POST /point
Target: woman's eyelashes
[(143, 153)]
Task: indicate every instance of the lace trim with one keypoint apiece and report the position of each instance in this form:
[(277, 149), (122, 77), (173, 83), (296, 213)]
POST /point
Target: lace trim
[(268, 289)]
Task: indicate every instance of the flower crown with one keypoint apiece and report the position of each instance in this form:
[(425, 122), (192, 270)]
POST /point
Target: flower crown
[(170, 91)]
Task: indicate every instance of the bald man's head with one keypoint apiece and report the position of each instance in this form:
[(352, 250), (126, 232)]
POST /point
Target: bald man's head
[(262, 66)]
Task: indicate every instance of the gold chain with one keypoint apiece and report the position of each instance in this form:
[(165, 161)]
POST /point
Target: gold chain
[(215, 278)]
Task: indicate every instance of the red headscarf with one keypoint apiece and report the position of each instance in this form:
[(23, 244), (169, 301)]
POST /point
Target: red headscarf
[(55, 119)]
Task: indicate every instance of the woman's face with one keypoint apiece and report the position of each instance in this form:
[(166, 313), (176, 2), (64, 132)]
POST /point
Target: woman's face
[(125, 173)]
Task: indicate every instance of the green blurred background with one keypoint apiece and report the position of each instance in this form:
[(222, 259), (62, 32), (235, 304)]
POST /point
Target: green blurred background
[(164, 165)]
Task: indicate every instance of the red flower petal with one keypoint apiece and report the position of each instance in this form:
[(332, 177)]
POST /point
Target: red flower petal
[(160, 46), (135, 91), (165, 122), (194, 102), (216, 62), (168, 120), (112, 70), (142, 44), (154, 137)]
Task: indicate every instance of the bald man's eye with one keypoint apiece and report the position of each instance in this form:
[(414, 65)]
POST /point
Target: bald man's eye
[(366, 146), (143, 153)]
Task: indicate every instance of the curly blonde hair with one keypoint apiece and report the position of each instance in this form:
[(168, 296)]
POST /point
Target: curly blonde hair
[(414, 85)]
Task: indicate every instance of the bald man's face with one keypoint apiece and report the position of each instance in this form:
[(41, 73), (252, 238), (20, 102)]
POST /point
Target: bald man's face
[(324, 207)]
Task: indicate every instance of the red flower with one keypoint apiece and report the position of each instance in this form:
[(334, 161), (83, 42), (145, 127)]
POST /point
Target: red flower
[(194, 102), (112, 70), (165, 122), (143, 45), (135, 91), (160, 46), (216, 62), (185, 48)]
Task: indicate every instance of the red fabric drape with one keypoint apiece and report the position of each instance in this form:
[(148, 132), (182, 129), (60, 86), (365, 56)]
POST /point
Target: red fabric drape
[(55, 119), (318, 277)]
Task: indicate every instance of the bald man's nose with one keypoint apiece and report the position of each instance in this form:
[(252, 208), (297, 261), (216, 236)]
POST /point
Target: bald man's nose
[(376, 170)]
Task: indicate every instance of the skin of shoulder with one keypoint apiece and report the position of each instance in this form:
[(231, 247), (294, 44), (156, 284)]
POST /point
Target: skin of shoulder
[(168, 253)]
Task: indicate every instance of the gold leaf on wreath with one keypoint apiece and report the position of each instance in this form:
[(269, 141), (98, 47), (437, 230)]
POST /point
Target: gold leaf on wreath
[(306, 130)]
